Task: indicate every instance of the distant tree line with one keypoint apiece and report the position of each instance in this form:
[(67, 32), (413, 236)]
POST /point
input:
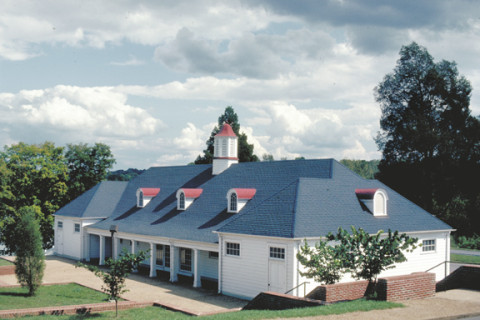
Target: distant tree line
[(124, 175)]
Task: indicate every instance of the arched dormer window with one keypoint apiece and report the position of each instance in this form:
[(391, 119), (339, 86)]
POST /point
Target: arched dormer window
[(374, 199), (186, 196), (233, 202), (238, 197), (144, 195), (181, 201)]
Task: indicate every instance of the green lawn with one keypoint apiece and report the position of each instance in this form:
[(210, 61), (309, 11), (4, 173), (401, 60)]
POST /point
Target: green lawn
[(460, 258), (4, 262), (160, 313), (54, 295)]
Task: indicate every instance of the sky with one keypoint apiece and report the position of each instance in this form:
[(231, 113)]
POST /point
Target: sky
[(151, 78)]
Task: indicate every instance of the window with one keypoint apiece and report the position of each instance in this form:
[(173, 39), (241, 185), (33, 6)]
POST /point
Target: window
[(233, 202), (167, 256), (77, 227), (181, 201), (277, 253), (428, 245), (212, 255), (233, 249), (60, 224), (159, 257), (185, 259), (140, 199)]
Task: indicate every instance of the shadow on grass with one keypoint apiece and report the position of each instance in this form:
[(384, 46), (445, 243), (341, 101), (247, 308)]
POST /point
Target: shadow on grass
[(14, 294)]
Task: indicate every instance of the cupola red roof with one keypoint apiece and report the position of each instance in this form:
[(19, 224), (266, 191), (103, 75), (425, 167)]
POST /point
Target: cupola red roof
[(365, 193), (150, 192), (192, 193), (226, 131), (245, 193)]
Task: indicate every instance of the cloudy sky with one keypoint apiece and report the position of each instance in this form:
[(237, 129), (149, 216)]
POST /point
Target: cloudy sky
[(150, 78)]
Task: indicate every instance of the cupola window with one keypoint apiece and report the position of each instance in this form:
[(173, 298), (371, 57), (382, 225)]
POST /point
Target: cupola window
[(238, 197), (186, 196)]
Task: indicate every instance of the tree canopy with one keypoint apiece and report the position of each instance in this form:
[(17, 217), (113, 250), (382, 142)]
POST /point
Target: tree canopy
[(245, 150), (47, 177), (429, 139)]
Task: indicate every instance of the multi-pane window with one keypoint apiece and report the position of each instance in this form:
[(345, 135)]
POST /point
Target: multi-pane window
[(233, 202), (212, 255), (60, 224), (77, 227), (428, 245), (181, 201), (167, 256), (233, 249), (160, 252), (185, 259), (277, 253)]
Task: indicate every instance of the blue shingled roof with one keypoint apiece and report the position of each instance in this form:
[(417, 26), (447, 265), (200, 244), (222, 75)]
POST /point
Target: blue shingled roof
[(294, 199), (98, 202)]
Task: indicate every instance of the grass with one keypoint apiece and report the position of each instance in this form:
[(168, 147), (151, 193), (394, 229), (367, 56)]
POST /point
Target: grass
[(54, 295), (160, 313), (4, 262), (461, 258)]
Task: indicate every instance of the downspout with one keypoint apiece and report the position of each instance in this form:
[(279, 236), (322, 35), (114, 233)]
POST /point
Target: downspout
[(220, 263), (447, 253)]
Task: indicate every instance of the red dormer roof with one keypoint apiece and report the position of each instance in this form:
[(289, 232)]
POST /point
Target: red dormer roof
[(150, 192), (365, 193), (226, 131), (245, 193), (192, 193)]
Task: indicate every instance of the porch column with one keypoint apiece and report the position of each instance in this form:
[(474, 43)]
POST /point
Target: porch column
[(133, 252), (102, 251), (153, 258), (86, 237), (115, 244), (173, 264), (196, 273)]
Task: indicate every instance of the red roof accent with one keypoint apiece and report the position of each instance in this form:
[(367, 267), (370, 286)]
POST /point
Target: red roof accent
[(226, 131), (245, 193), (365, 193), (150, 192), (192, 193), (226, 158)]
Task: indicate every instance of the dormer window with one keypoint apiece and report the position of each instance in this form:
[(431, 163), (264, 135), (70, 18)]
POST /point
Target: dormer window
[(237, 198), (374, 199), (186, 196), (144, 195)]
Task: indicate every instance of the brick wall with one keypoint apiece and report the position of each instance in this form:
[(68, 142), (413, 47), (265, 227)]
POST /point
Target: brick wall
[(339, 291), (279, 301), (413, 286), (467, 277)]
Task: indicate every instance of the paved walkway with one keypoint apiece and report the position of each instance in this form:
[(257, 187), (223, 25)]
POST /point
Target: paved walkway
[(466, 252), (451, 304), (141, 289)]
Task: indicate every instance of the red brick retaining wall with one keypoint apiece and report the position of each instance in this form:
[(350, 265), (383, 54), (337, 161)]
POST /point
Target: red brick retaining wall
[(413, 286), (339, 291), (279, 301)]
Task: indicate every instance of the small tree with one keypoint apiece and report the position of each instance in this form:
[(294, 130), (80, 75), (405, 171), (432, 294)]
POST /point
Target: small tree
[(30, 258), (324, 263), (118, 271), (366, 256)]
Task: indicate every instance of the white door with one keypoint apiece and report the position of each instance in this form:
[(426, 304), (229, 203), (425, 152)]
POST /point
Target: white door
[(276, 270), (59, 239)]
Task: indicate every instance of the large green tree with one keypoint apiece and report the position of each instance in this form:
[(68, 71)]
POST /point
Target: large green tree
[(87, 166), (245, 150), (30, 258), (429, 139), (37, 176)]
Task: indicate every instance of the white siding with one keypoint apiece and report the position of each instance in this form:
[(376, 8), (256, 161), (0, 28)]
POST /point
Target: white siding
[(247, 275), (417, 261), (208, 267), (72, 241)]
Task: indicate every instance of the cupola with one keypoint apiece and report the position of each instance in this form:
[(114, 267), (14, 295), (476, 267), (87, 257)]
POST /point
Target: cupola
[(374, 199), (186, 196), (144, 195), (225, 149), (237, 198)]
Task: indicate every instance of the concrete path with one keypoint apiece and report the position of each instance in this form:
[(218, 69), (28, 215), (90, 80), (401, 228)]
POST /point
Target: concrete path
[(466, 252), (141, 289)]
